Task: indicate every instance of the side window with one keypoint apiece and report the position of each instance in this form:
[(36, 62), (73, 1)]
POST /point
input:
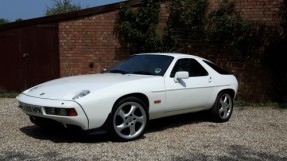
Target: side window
[(180, 65), (191, 66)]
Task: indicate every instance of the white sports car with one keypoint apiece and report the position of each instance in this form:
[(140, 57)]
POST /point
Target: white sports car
[(123, 99)]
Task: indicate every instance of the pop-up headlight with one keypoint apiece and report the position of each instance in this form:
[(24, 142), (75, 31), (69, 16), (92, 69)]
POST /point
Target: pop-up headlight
[(33, 88), (81, 94)]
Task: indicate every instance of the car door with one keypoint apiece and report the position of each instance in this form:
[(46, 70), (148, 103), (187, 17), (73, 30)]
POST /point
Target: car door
[(195, 91)]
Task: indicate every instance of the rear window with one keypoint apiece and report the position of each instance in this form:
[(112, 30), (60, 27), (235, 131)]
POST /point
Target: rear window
[(217, 68)]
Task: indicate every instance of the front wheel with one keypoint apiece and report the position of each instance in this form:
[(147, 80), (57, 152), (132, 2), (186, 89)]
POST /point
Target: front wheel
[(222, 108), (129, 119)]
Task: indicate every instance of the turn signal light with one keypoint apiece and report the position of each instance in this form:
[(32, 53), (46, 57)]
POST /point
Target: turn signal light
[(72, 112)]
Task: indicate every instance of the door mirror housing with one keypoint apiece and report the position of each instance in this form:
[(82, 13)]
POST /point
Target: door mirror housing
[(181, 75)]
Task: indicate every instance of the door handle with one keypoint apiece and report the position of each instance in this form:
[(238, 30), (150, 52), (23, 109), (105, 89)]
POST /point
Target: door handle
[(25, 55), (209, 80)]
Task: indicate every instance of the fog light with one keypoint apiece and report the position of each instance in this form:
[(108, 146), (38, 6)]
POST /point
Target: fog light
[(61, 111), (50, 110)]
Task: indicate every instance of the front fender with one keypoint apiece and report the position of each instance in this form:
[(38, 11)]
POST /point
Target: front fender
[(98, 104)]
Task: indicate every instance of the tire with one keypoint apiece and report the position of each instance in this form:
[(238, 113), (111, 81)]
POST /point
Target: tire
[(129, 119), (222, 109)]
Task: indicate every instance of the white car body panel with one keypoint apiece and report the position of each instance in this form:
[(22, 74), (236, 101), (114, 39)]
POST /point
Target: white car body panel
[(80, 120), (165, 96), (188, 93)]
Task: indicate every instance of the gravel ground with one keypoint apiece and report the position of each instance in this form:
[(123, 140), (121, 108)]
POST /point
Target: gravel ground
[(251, 134)]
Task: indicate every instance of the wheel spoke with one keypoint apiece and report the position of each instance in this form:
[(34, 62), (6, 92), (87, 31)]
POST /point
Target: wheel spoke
[(140, 119), (122, 114), (224, 113), (225, 99), (221, 110), (222, 103), (132, 110), (132, 129), (121, 127)]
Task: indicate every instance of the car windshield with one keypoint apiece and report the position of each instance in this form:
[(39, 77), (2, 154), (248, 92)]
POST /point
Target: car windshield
[(143, 64)]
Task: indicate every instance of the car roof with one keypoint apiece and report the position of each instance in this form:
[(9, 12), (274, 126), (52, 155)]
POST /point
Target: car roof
[(175, 55)]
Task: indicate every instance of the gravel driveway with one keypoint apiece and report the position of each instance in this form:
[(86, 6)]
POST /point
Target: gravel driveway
[(251, 134)]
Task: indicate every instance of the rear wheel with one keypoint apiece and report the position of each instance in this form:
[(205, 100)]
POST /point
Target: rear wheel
[(222, 108), (129, 119)]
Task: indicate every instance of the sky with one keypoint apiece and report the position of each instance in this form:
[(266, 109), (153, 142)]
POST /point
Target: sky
[(28, 9)]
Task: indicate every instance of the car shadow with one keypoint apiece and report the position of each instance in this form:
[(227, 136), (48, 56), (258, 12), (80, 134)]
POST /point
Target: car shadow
[(177, 121), (62, 135)]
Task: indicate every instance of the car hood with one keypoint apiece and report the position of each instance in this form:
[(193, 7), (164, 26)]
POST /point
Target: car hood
[(68, 87)]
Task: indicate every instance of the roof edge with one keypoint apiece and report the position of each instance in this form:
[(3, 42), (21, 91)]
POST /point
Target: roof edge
[(70, 15)]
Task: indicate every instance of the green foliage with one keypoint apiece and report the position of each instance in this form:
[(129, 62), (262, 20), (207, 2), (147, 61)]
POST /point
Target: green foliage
[(186, 23), (18, 20), (2, 21), (189, 24), (226, 27), (5, 94), (138, 27), (62, 6), (241, 104)]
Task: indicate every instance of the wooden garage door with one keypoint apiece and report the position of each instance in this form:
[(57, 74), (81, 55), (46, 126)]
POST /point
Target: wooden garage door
[(29, 56)]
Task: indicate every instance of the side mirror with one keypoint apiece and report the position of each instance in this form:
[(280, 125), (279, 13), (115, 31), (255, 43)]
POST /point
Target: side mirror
[(180, 75)]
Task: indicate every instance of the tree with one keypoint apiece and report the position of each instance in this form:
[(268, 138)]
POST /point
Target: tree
[(2, 21), (62, 6), (18, 20)]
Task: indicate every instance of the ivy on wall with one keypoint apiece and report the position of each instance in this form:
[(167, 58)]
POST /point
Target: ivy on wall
[(186, 22), (189, 23), (226, 27), (138, 26)]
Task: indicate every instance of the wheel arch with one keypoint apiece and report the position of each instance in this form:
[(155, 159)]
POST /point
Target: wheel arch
[(230, 91), (140, 96)]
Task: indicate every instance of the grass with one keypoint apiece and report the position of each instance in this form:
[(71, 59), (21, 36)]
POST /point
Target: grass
[(241, 103), (5, 94)]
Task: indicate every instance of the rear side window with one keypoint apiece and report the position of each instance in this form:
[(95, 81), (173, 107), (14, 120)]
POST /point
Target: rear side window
[(217, 68)]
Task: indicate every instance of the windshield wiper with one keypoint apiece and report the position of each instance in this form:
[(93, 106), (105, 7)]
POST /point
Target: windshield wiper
[(118, 71), (143, 72)]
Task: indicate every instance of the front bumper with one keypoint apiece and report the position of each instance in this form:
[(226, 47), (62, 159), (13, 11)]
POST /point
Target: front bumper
[(41, 104)]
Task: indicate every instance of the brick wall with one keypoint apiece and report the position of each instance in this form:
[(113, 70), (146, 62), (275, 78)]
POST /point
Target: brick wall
[(256, 80), (90, 44), (255, 10)]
